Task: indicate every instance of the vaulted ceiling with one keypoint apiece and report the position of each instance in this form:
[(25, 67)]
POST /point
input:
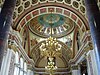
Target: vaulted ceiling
[(32, 17)]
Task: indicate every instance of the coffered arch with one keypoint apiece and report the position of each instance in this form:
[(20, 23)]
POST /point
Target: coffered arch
[(45, 7)]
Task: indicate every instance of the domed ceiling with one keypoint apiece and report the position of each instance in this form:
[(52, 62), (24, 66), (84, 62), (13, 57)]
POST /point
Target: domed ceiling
[(61, 25)]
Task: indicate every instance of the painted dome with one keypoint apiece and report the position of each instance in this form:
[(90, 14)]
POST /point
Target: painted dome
[(41, 25)]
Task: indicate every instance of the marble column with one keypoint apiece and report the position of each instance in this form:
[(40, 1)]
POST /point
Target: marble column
[(7, 67), (91, 63), (5, 23), (93, 15), (75, 70)]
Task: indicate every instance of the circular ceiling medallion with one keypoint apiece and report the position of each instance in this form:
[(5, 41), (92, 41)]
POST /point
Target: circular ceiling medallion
[(51, 19), (41, 25)]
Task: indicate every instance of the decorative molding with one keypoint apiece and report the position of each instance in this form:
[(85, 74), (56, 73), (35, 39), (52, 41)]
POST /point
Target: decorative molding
[(61, 6), (58, 71), (15, 44), (82, 51)]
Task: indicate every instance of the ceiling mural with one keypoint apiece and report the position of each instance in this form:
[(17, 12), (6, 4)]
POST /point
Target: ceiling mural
[(61, 25), (48, 20)]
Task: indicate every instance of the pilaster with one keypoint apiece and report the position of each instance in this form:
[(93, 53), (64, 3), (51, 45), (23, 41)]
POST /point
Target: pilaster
[(91, 63)]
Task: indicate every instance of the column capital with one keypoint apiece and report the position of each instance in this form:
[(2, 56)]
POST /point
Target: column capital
[(74, 67)]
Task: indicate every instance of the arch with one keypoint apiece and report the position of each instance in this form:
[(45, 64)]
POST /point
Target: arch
[(69, 11)]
